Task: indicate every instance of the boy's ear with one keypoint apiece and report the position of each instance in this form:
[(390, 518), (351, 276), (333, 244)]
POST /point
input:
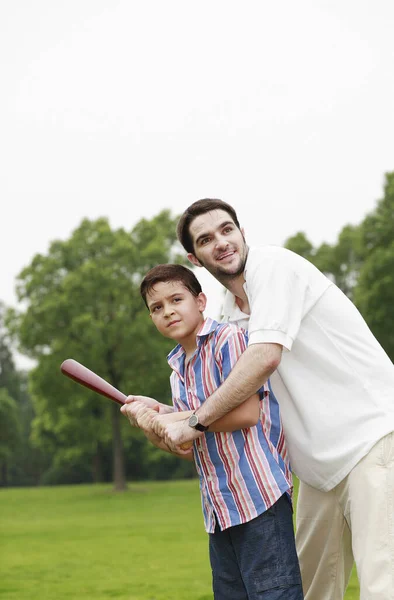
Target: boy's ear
[(191, 258), (201, 301)]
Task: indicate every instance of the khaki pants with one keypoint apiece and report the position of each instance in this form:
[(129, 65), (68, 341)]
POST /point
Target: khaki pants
[(352, 522)]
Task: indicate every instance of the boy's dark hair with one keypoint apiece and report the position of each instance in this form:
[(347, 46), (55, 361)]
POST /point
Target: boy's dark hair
[(200, 207), (168, 272)]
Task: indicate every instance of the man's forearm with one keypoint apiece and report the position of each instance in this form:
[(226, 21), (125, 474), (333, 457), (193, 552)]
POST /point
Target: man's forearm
[(249, 374)]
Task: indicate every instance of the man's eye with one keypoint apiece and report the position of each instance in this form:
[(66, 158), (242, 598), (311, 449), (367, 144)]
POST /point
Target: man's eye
[(227, 230), (204, 241)]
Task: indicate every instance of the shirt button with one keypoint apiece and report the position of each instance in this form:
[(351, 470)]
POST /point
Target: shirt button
[(209, 478)]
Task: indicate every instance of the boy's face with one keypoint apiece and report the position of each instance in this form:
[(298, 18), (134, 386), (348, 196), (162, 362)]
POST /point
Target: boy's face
[(176, 313), (219, 245)]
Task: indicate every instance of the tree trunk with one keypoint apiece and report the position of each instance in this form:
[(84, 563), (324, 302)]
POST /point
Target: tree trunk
[(119, 476), (97, 466), (4, 474)]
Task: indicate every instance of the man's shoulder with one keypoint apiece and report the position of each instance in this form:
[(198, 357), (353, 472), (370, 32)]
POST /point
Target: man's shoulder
[(269, 259), (258, 253)]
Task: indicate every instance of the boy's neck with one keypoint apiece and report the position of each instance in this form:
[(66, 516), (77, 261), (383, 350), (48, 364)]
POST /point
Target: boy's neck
[(190, 344)]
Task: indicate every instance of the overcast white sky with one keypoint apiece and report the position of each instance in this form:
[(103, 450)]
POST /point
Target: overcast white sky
[(121, 108)]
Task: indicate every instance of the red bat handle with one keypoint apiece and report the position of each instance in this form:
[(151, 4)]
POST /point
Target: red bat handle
[(74, 370)]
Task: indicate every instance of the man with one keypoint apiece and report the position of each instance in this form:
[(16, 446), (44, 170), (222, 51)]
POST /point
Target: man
[(335, 386)]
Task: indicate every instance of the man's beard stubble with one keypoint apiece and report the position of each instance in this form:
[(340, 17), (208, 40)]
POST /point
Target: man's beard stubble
[(223, 276)]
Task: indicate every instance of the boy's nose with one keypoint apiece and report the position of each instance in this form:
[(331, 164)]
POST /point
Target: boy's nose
[(168, 311)]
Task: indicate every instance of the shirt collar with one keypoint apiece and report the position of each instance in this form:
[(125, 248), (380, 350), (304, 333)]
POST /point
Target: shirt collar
[(176, 357)]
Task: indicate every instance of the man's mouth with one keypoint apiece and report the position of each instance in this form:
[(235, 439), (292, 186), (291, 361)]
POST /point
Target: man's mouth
[(228, 254)]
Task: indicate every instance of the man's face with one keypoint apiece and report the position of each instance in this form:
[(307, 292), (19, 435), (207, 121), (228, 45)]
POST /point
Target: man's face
[(219, 245)]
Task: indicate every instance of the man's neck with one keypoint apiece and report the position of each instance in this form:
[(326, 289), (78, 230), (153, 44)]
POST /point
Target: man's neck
[(236, 287)]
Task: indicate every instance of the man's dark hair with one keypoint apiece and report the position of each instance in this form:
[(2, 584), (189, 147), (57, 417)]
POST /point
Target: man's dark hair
[(168, 272), (200, 207)]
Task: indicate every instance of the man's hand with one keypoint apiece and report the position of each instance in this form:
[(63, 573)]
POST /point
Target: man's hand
[(178, 433)]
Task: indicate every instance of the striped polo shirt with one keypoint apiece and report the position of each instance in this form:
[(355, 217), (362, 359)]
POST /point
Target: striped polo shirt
[(241, 473)]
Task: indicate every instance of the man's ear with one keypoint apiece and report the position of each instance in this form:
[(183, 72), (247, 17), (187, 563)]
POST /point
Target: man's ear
[(243, 233), (191, 258), (202, 302)]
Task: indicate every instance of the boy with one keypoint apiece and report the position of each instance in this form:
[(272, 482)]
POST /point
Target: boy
[(245, 480)]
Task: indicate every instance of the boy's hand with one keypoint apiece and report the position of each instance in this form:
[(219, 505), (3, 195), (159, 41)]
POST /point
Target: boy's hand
[(176, 434), (148, 402), (161, 421), (140, 415)]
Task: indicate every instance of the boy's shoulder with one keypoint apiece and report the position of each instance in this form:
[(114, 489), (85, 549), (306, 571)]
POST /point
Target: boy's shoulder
[(225, 331)]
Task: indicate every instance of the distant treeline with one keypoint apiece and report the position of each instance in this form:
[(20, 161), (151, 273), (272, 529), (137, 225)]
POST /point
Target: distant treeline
[(82, 301)]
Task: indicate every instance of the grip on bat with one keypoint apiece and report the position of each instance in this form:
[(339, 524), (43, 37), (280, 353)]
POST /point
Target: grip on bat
[(186, 445)]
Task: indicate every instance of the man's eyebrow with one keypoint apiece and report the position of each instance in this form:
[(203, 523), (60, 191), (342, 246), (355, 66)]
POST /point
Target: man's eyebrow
[(220, 226)]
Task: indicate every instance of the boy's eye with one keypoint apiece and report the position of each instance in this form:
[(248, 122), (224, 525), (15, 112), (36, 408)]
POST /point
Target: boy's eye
[(155, 308), (177, 299)]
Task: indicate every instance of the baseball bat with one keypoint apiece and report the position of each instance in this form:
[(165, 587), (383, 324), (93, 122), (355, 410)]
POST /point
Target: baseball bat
[(84, 376)]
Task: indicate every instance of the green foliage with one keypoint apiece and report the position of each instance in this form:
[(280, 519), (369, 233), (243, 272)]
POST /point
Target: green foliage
[(340, 262), (374, 293), (83, 302), (300, 244), (378, 226), (19, 462), (361, 263), (9, 426)]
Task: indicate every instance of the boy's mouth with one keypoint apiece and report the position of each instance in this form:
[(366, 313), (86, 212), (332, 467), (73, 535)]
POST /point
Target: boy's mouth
[(173, 323)]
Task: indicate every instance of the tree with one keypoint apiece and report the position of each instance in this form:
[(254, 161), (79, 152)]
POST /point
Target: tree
[(340, 262), (18, 461), (300, 244), (374, 294), (9, 433), (361, 263), (83, 302)]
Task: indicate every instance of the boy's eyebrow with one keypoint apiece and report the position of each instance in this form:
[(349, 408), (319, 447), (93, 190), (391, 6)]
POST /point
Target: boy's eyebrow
[(165, 298), (220, 226)]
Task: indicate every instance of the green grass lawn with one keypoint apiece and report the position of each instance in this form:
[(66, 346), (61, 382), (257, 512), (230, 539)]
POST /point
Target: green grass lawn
[(87, 542)]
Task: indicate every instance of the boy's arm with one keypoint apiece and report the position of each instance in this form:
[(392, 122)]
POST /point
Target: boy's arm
[(243, 416), (252, 370)]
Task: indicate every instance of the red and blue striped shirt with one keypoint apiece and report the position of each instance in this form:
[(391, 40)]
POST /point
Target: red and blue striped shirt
[(241, 473)]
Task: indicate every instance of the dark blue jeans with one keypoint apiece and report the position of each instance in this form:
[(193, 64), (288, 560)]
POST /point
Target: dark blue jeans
[(257, 560)]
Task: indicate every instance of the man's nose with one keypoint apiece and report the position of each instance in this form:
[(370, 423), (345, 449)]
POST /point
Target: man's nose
[(221, 242)]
